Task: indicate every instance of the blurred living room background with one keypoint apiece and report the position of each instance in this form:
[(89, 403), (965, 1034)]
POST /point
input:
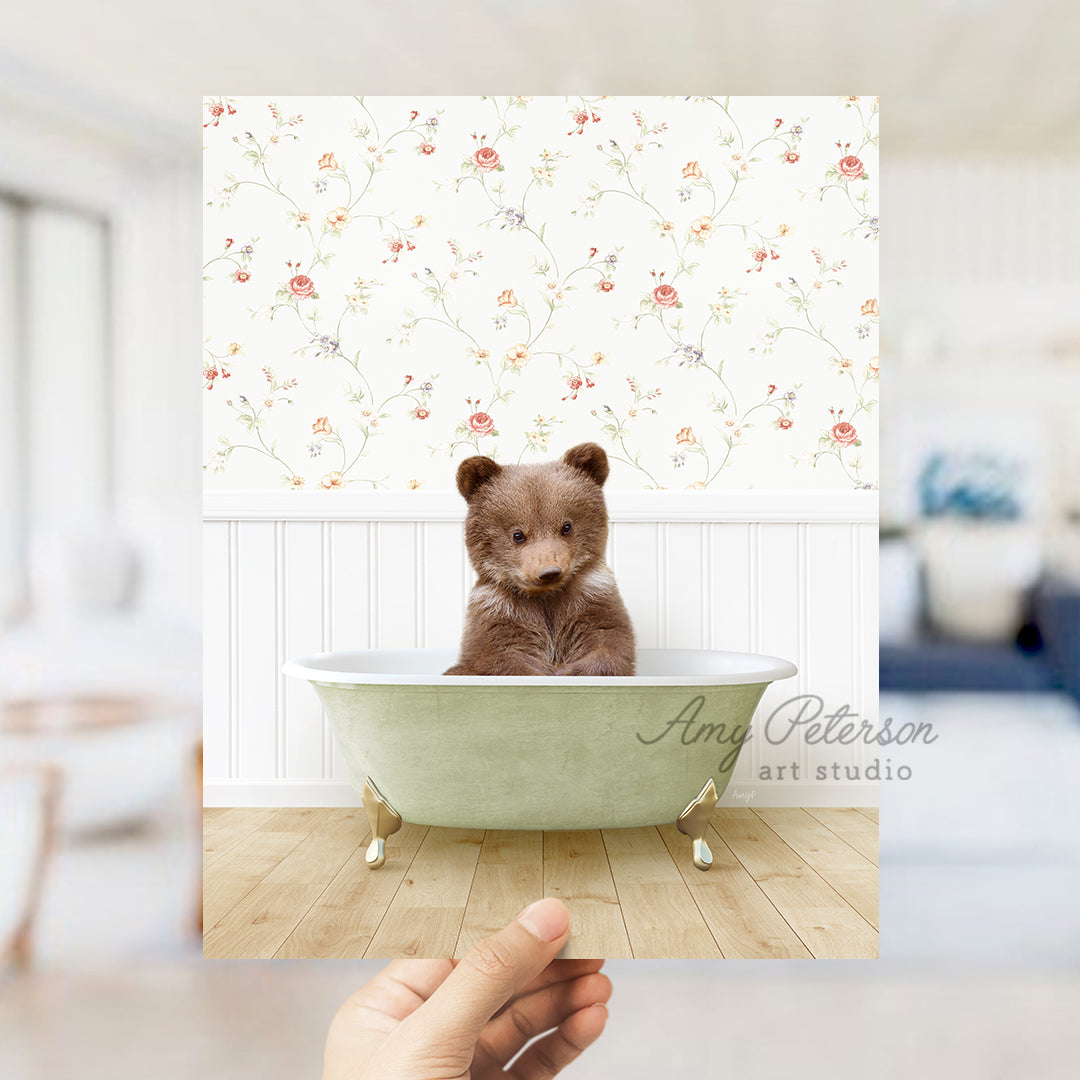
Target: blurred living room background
[(100, 118), (980, 543)]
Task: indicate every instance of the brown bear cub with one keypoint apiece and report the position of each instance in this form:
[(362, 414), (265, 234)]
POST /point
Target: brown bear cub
[(545, 602)]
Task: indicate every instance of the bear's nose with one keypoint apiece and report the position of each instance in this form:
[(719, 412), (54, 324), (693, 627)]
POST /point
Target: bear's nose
[(549, 575)]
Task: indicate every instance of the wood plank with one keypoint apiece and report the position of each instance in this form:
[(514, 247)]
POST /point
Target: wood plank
[(576, 870), (852, 875), (343, 920), (663, 922), (229, 879), (295, 818), (827, 925), (255, 928), (869, 811), (637, 856), (509, 877), (225, 827), (860, 889), (424, 918), (814, 842), (658, 911), (851, 826), (333, 839), (741, 918)]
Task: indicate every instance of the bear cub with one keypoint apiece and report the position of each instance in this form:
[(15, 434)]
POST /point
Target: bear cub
[(545, 602)]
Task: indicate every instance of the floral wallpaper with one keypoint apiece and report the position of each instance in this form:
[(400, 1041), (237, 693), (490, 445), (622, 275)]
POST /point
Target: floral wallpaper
[(394, 284)]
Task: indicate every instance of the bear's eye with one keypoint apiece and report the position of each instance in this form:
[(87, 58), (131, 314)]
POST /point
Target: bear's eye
[(519, 537), (566, 528)]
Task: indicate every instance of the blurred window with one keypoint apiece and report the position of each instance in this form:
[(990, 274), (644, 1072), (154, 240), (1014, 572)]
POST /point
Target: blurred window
[(56, 386)]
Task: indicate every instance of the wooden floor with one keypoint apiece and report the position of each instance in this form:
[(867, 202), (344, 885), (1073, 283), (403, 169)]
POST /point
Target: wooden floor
[(785, 883)]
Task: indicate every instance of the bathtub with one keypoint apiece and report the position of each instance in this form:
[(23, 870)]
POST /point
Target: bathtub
[(539, 752)]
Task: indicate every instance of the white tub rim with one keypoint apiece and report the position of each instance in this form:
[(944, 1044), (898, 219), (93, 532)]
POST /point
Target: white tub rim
[(423, 667)]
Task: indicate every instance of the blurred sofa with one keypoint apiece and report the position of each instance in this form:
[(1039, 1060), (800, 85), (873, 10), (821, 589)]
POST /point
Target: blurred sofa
[(1045, 656)]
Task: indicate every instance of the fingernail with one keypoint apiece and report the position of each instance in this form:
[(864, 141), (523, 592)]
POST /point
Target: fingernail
[(546, 919)]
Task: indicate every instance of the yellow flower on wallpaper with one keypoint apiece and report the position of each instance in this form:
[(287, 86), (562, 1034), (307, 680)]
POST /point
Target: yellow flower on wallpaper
[(338, 218), (703, 227), (518, 355)]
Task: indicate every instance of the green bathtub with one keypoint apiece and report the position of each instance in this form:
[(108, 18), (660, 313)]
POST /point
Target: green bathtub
[(539, 752)]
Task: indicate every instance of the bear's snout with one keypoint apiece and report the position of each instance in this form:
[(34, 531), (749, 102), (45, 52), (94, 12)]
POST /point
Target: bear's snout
[(549, 575)]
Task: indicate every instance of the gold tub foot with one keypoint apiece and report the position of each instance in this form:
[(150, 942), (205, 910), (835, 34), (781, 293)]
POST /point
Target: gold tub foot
[(384, 821), (694, 821)]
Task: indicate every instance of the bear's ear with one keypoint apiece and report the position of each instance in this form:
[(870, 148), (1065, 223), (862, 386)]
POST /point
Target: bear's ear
[(473, 472), (590, 459)]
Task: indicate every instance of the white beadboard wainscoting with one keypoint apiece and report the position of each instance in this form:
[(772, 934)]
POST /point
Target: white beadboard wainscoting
[(788, 573)]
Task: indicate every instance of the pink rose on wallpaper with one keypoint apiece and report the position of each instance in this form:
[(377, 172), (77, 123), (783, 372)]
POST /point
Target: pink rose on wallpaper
[(486, 158), (665, 296), (421, 413), (427, 148), (843, 433), (760, 256), (686, 437), (481, 423), (605, 285), (301, 286), (328, 161), (851, 168), (507, 298), (333, 481), (581, 119), (322, 426), (791, 157), (691, 171), (784, 423), (241, 276), (869, 308)]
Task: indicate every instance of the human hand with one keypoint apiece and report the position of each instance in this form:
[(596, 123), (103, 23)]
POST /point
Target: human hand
[(450, 1020)]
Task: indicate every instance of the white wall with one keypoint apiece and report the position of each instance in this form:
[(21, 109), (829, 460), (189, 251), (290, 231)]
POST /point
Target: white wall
[(788, 573)]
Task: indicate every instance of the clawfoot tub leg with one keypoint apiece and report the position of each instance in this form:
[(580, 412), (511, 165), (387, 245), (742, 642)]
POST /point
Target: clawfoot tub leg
[(694, 821), (384, 821)]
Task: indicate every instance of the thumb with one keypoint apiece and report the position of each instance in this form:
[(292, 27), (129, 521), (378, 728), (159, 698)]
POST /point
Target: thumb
[(492, 972)]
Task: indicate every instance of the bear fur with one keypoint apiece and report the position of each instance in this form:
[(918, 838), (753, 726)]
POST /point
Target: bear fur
[(545, 601)]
